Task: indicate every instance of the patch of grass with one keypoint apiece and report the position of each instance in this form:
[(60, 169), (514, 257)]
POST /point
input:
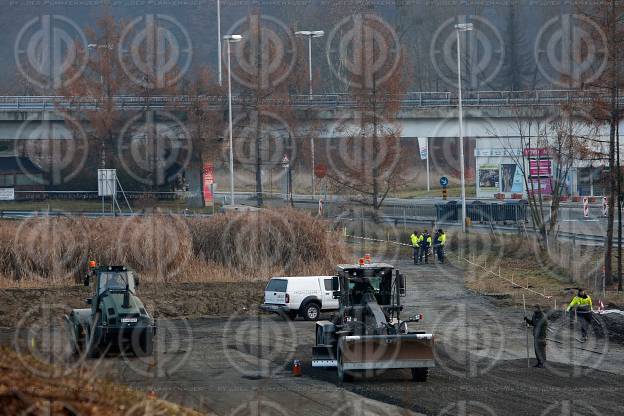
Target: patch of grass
[(507, 264)]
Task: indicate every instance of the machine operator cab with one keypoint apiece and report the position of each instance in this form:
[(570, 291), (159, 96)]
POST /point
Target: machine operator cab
[(112, 278), (370, 298), (118, 279), (368, 281)]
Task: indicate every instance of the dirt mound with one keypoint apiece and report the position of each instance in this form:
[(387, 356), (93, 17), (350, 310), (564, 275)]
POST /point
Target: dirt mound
[(612, 324), (174, 300), (609, 325), (23, 393)]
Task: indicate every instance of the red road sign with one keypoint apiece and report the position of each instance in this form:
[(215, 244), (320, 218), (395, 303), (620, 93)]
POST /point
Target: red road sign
[(320, 171)]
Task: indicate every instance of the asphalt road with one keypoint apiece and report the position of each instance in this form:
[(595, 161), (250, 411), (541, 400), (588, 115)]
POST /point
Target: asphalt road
[(241, 364)]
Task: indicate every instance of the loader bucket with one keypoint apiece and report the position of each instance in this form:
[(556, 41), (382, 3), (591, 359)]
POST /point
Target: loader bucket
[(373, 352)]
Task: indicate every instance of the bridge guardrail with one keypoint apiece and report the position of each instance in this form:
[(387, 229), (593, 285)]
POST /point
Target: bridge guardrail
[(322, 101)]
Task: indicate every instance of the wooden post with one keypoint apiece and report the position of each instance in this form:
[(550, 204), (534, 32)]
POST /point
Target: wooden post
[(527, 332)]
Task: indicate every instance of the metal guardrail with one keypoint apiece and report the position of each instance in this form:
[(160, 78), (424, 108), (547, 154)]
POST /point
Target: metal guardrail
[(93, 195), (485, 227), (322, 101), (13, 214)]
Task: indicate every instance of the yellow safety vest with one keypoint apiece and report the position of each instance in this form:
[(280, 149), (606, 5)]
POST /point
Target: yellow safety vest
[(581, 303), (442, 239), (415, 240)]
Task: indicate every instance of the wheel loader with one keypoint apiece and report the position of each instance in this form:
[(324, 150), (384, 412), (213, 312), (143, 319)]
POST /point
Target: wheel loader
[(116, 316), (368, 334)]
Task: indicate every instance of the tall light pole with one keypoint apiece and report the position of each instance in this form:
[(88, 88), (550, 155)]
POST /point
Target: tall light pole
[(219, 45), (230, 39), (311, 34), (462, 27), (105, 93)]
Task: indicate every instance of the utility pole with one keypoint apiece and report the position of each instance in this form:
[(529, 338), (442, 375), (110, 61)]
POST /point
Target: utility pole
[(219, 44), (619, 205), (463, 27)]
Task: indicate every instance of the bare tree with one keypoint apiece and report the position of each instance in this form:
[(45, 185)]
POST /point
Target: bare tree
[(545, 146), (572, 138), (205, 120), (265, 76), (374, 167), (609, 16), (101, 81)]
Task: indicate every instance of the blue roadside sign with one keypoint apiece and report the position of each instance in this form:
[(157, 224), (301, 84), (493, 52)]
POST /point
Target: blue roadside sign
[(444, 181)]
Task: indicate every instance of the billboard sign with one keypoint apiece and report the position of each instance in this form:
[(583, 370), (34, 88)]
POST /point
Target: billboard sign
[(543, 185), (536, 152), (423, 146), (208, 182), (540, 167), (107, 182), (7, 194), (489, 178)]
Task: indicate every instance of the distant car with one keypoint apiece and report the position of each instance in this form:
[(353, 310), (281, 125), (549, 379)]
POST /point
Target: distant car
[(305, 296)]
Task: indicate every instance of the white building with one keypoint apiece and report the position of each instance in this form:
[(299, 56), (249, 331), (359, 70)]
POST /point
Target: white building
[(498, 171)]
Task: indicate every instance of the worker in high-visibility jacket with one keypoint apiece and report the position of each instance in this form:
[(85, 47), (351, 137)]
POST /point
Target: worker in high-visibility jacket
[(415, 240), (582, 305), (425, 245), (439, 240)]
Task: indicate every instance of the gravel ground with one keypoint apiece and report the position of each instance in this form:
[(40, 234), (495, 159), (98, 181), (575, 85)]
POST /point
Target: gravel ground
[(239, 364)]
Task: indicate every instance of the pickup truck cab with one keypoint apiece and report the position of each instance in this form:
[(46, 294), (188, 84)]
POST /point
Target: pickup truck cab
[(305, 296)]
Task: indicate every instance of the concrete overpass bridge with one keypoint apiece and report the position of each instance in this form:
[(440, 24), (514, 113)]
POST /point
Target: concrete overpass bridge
[(422, 114), (489, 116)]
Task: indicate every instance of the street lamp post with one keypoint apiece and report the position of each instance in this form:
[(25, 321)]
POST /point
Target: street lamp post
[(230, 39), (96, 47), (462, 27), (311, 34), (219, 44)]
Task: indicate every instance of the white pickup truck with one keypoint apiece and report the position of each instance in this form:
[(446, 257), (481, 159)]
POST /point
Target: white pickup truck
[(306, 296)]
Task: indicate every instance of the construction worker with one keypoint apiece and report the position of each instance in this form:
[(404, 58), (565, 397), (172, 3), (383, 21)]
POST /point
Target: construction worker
[(91, 265), (539, 322), (425, 245), (582, 305), (439, 240), (415, 240)]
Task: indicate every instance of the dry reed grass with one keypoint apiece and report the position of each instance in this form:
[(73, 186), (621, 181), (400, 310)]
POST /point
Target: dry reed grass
[(24, 392), (163, 248)]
